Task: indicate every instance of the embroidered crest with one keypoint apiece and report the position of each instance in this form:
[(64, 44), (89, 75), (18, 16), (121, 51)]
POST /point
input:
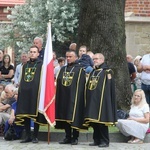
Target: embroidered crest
[(29, 74), (93, 82), (67, 78)]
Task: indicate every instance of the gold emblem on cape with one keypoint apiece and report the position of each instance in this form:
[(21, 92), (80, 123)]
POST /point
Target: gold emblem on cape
[(93, 82), (67, 78), (29, 74)]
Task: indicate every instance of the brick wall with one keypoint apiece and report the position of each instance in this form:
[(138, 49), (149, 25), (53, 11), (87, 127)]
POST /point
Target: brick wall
[(4, 4), (139, 7), (11, 2), (3, 16)]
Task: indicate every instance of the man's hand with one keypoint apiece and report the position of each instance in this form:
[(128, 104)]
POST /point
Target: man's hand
[(146, 68), (11, 120)]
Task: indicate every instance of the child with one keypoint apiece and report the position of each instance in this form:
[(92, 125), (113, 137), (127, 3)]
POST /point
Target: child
[(85, 60)]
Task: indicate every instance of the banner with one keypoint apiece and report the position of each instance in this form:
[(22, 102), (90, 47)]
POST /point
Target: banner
[(47, 94)]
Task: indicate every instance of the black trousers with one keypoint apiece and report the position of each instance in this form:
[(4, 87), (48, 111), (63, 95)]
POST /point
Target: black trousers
[(27, 122), (100, 134), (71, 133)]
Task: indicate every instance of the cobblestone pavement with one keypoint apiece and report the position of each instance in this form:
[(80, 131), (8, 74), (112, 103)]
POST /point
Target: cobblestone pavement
[(42, 145)]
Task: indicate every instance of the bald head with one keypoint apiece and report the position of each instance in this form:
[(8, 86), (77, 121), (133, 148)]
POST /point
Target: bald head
[(73, 46), (129, 58), (71, 56)]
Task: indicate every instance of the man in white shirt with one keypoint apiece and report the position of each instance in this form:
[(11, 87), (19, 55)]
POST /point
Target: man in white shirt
[(143, 66), (24, 59)]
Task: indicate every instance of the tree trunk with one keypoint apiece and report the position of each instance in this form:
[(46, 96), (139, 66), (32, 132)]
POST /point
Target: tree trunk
[(102, 29)]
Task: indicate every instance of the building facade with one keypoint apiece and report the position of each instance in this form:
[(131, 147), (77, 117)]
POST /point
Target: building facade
[(4, 4), (137, 25)]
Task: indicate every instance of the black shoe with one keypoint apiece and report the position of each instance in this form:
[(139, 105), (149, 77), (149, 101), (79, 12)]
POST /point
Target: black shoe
[(103, 145), (94, 144), (65, 141), (26, 140), (35, 140), (74, 142)]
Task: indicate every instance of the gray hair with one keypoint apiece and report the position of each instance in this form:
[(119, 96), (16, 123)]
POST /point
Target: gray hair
[(10, 87), (22, 53), (39, 38)]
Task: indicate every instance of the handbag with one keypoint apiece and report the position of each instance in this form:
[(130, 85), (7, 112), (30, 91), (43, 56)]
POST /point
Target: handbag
[(121, 114), (10, 133)]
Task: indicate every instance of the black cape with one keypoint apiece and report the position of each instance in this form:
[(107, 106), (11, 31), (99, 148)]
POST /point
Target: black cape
[(100, 97), (70, 96), (28, 93)]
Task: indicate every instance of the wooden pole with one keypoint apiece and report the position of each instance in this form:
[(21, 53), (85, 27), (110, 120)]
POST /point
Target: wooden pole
[(48, 136)]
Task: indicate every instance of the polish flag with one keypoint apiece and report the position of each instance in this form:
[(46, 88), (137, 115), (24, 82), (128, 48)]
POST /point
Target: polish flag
[(47, 94)]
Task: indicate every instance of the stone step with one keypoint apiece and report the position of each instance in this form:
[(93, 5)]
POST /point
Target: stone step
[(87, 137)]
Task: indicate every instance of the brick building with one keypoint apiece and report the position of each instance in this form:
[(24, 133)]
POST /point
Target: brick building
[(4, 4), (137, 17), (139, 7), (3, 8)]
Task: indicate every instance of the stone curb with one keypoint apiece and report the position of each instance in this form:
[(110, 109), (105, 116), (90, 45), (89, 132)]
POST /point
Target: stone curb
[(86, 137)]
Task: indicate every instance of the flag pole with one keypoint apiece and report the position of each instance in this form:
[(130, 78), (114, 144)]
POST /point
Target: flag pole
[(48, 136)]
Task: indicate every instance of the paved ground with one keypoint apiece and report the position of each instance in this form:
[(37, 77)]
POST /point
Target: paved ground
[(42, 145)]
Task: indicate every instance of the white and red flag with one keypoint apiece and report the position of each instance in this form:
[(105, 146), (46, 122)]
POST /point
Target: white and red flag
[(47, 94)]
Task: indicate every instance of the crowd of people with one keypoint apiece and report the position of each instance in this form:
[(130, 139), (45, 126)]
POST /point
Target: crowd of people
[(137, 124), (85, 95)]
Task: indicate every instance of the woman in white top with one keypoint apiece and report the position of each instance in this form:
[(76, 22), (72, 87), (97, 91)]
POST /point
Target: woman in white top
[(138, 122)]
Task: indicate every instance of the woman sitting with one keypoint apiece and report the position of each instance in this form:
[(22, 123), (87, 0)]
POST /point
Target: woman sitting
[(138, 122), (6, 70)]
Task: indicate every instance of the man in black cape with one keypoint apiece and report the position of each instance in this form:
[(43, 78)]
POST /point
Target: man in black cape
[(28, 96), (70, 98), (100, 110)]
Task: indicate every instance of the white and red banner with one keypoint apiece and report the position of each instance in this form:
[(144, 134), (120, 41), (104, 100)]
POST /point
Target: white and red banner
[(47, 94)]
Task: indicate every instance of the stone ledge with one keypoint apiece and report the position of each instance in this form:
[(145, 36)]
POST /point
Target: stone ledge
[(87, 137), (130, 17)]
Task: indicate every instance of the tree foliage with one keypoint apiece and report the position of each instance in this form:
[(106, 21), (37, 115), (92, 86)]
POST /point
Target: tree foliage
[(30, 20)]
